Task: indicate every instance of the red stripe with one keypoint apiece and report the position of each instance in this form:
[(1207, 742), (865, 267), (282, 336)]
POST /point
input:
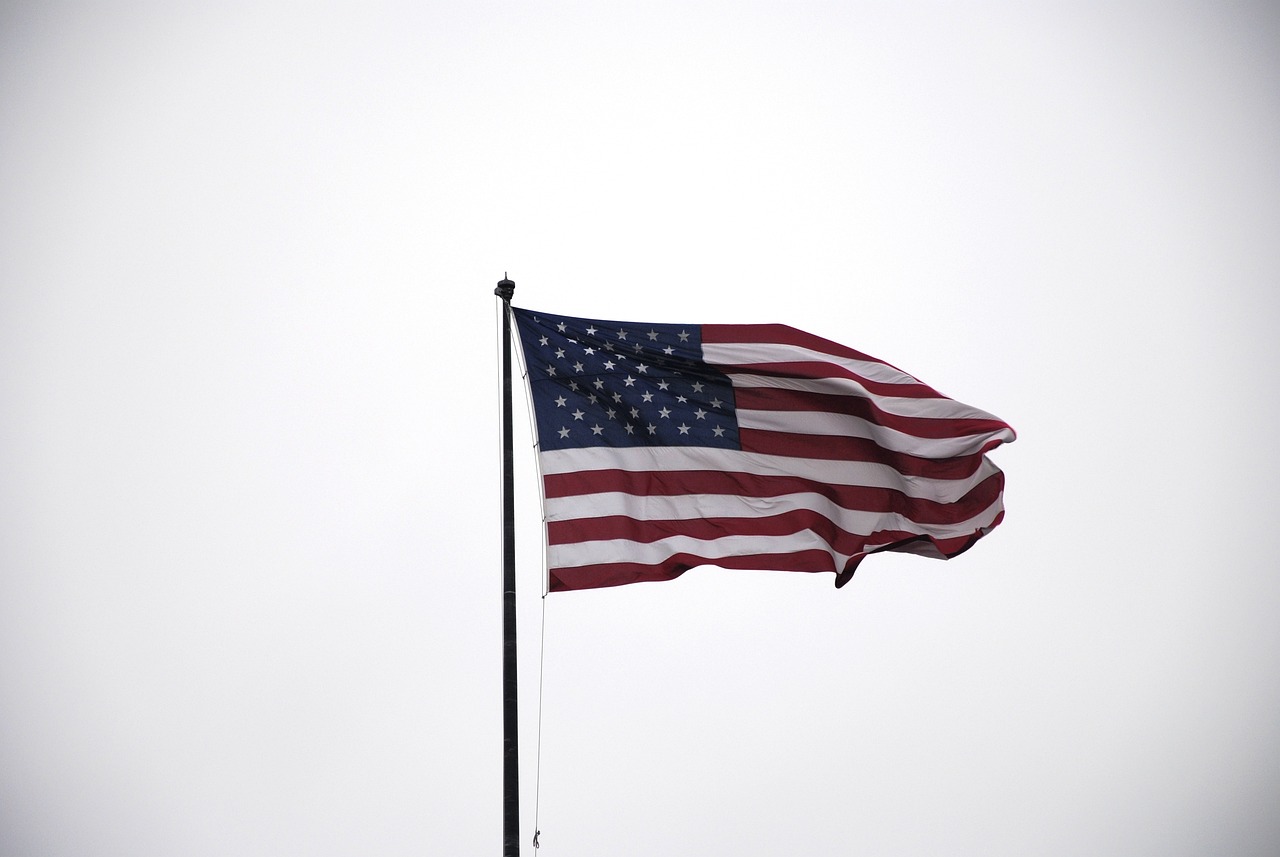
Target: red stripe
[(691, 482), (777, 399), (787, 524), (619, 573), (782, 334), (834, 448), (823, 371)]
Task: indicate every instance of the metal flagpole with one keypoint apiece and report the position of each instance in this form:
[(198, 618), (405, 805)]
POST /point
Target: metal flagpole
[(510, 722)]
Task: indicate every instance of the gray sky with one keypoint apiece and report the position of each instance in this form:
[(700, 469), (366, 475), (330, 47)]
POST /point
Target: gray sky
[(249, 571)]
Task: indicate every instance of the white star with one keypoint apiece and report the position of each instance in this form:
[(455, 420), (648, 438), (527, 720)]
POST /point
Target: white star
[(622, 334), (617, 397), (653, 429), (664, 413), (653, 334), (629, 381), (682, 400), (630, 428), (561, 327), (635, 413), (719, 432), (560, 353), (700, 414), (697, 386), (589, 351), (597, 429), (668, 351), (578, 414), (564, 432), (551, 370), (648, 397), (577, 367), (542, 341), (684, 337), (560, 400), (573, 385), (684, 429), (598, 384), (609, 364), (662, 385), (642, 368), (637, 348), (610, 413), (591, 331), (715, 403), (592, 398)]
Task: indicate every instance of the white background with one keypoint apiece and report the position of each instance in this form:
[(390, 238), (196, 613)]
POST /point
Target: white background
[(249, 570)]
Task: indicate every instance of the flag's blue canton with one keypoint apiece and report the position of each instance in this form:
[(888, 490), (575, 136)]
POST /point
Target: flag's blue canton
[(621, 384)]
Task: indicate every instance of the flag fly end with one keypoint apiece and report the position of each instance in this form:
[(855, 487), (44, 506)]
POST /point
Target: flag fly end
[(846, 575)]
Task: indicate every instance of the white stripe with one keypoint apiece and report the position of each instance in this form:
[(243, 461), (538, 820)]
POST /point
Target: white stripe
[(622, 550), (904, 406), (845, 425), (694, 506), (746, 353), (625, 550), (644, 459)]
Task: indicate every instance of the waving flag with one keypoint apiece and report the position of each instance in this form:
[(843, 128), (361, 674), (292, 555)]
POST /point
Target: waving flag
[(667, 446)]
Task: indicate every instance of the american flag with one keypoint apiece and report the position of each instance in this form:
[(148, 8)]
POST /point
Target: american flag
[(757, 446)]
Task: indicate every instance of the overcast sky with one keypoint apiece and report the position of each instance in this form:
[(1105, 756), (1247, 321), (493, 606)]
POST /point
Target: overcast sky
[(249, 568)]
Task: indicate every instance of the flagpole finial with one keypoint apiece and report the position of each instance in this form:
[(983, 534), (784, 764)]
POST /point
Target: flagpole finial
[(506, 288)]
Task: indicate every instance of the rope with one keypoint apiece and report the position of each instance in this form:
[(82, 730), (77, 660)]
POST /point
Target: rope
[(538, 762), (542, 643)]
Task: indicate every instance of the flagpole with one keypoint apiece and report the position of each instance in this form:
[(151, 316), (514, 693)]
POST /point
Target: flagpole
[(510, 721)]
